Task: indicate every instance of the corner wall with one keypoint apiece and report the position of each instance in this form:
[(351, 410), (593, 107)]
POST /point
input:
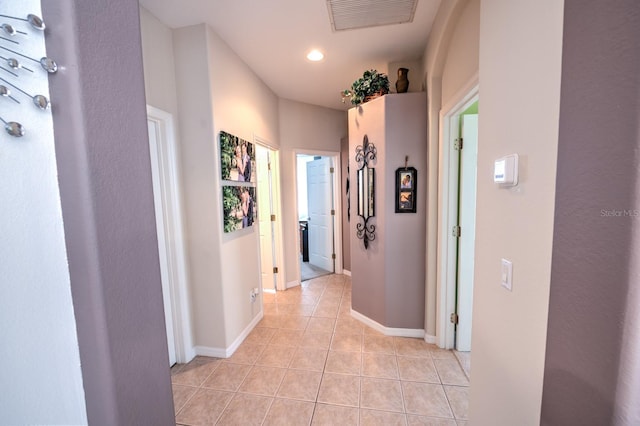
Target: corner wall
[(592, 369), (102, 152), (520, 94)]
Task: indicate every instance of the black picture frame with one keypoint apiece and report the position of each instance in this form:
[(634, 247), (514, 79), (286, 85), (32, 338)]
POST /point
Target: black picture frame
[(406, 183)]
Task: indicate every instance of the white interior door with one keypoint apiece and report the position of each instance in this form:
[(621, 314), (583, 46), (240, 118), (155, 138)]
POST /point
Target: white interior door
[(159, 201), (319, 190), (467, 222), (264, 218)]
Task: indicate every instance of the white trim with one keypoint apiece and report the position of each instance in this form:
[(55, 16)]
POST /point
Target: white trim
[(268, 290), (277, 206), (387, 331), (447, 212), (226, 353), (291, 284), (337, 200), (346, 272), (170, 168), (430, 339)]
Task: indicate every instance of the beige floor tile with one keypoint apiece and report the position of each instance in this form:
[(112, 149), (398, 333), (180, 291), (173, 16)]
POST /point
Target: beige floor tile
[(327, 311), (316, 340), (269, 321), (227, 376), (429, 421), (301, 310), (379, 365), (269, 309), (175, 369), (285, 412), (344, 362), (378, 343), (438, 353), (450, 372), (464, 358), (196, 372), (293, 322), (246, 354), (346, 342), (204, 408), (263, 381), (381, 394), (373, 332), (417, 369), (349, 325), (425, 399), (339, 389), (181, 395), (461, 423), (332, 415), (309, 359), (300, 384), (287, 337), (407, 346), (458, 400), (381, 418), (245, 410), (321, 325), (331, 299), (260, 336), (276, 356)]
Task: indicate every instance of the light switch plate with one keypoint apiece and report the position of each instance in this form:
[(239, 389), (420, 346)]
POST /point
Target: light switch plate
[(506, 274)]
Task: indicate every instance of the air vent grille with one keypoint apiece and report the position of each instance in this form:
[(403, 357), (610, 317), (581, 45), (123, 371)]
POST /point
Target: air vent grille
[(352, 14)]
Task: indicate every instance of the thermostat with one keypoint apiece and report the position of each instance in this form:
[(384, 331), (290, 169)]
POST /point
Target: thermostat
[(505, 170)]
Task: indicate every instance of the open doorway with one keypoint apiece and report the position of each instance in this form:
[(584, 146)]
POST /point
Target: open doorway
[(457, 216), (269, 222), (316, 215)]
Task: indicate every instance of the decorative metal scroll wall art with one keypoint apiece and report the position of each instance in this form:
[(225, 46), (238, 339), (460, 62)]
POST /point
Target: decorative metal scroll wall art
[(24, 70), (365, 157)]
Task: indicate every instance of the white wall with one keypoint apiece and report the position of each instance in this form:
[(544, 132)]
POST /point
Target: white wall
[(302, 127), (244, 106), (520, 63), (159, 70), (41, 377)]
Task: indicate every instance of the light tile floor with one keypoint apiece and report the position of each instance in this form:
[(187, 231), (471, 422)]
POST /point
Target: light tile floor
[(308, 362)]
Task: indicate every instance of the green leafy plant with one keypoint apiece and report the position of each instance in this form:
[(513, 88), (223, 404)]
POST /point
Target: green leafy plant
[(230, 204), (227, 144), (372, 83)]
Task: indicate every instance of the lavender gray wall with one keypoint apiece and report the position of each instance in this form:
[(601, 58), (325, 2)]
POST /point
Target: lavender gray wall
[(593, 269), (107, 203)]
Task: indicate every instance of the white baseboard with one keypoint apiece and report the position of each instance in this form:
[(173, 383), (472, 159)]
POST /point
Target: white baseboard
[(346, 272), (430, 339), (293, 284), (226, 353), (387, 331), (268, 290)]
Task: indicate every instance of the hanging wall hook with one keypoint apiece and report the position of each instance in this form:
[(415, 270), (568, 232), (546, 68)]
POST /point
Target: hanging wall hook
[(406, 161)]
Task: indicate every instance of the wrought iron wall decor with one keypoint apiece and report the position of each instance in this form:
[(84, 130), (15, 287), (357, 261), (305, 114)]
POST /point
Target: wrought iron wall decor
[(365, 157), (24, 70)]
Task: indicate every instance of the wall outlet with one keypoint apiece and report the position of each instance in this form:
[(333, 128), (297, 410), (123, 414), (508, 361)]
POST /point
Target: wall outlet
[(253, 295)]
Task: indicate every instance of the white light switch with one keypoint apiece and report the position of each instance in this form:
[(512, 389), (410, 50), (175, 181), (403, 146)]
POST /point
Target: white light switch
[(506, 274)]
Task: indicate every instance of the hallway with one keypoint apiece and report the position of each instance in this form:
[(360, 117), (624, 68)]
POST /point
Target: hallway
[(309, 362)]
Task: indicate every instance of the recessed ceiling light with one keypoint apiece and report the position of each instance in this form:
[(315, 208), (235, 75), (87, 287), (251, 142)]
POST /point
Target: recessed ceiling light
[(315, 55)]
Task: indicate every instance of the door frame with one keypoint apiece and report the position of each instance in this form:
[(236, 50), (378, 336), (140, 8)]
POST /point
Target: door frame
[(278, 255), (169, 168), (448, 211), (337, 205)]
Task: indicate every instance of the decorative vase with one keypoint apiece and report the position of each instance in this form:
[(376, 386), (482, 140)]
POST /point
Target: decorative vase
[(402, 85)]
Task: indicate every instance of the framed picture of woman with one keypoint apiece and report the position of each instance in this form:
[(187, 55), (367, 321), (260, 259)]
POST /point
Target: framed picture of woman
[(406, 180)]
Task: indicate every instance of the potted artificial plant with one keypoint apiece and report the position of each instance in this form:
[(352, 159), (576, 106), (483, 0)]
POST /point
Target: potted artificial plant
[(371, 85)]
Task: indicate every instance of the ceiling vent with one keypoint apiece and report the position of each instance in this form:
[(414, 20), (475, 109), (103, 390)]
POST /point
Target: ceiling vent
[(352, 14)]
